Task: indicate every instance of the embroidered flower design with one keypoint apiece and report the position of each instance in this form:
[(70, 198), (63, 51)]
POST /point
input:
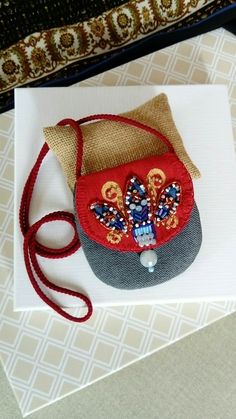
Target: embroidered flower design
[(142, 208), (9, 67), (97, 28), (66, 40), (123, 20), (39, 57), (146, 14), (166, 3)]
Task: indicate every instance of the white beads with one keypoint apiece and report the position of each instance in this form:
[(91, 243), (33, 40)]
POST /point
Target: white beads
[(148, 259)]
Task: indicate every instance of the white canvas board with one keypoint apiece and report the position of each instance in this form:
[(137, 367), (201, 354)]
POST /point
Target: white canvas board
[(202, 116)]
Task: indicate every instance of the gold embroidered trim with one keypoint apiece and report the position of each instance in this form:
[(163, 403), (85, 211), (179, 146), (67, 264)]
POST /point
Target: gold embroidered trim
[(112, 192), (45, 52)]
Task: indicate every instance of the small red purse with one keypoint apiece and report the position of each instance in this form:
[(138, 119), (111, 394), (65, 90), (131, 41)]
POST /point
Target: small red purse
[(139, 215)]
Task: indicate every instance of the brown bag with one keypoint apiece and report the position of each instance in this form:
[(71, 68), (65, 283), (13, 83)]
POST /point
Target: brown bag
[(108, 144)]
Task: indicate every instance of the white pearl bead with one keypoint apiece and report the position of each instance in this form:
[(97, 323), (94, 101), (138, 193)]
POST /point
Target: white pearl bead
[(148, 259)]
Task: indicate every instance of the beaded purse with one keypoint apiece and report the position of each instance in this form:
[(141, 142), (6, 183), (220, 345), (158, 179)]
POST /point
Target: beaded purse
[(138, 223)]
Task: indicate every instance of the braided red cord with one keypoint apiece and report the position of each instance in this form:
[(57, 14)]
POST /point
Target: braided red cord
[(32, 247)]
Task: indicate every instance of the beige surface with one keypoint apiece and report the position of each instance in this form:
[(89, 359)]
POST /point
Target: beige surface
[(40, 351), (192, 379)]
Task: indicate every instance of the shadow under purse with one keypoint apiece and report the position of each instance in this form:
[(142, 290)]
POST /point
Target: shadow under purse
[(137, 222)]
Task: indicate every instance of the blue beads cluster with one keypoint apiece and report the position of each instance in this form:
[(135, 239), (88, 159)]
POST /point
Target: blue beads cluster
[(168, 202), (138, 207), (109, 216), (139, 216)]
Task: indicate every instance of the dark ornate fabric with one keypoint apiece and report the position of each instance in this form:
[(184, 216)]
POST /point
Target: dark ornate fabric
[(21, 18), (216, 14)]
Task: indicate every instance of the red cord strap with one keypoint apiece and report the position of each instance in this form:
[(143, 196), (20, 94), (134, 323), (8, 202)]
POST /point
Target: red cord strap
[(32, 247)]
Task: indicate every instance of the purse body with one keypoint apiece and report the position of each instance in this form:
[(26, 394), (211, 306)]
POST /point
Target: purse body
[(178, 236), (123, 270)]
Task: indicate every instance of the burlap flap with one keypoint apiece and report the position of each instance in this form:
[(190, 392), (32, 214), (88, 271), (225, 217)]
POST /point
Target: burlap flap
[(109, 144)]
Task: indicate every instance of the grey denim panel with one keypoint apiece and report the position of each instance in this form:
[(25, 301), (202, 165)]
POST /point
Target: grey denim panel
[(123, 269)]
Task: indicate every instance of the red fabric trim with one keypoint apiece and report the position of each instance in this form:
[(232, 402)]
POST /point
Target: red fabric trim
[(88, 191)]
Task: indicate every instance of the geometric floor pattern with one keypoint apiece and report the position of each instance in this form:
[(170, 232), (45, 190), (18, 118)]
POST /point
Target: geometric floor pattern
[(45, 357)]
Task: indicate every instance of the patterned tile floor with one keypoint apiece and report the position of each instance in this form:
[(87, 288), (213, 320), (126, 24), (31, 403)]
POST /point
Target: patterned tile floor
[(46, 358)]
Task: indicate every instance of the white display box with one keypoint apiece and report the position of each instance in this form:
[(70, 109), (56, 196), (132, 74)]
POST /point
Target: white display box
[(202, 116)]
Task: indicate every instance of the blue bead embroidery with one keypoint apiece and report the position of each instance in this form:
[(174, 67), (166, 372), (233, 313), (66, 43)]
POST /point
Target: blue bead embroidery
[(139, 214), (138, 207), (168, 202), (109, 217)]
